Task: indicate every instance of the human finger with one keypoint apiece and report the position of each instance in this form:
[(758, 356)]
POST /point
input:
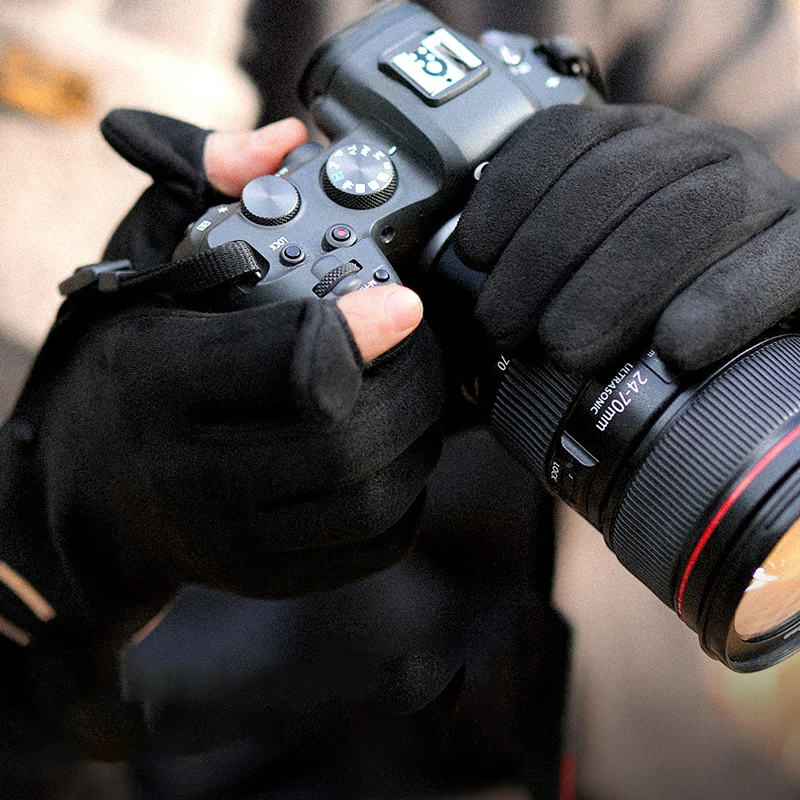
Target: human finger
[(381, 317), (233, 159)]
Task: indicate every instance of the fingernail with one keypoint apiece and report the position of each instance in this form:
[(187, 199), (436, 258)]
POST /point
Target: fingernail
[(265, 136), (404, 308)]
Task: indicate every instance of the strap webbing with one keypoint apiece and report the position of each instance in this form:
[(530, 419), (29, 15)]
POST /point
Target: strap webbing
[(232, 261)]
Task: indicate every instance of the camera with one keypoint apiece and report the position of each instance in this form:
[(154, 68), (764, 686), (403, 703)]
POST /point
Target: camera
[(413, 110), (693, 480)]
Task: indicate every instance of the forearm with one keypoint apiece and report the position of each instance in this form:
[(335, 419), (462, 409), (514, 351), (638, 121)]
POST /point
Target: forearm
[(61, 627)]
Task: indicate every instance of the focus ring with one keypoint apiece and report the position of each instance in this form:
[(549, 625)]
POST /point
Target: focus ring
[(675, 486)]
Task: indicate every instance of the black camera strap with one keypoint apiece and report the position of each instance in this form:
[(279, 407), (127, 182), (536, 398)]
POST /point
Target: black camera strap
[(230, 262)]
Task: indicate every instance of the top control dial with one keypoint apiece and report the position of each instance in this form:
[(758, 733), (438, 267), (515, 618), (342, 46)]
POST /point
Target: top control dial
[(359, 176)]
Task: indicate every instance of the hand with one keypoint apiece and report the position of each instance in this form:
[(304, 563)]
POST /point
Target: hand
[(378, 318), (262, 452), (257, 451), (618, 226)]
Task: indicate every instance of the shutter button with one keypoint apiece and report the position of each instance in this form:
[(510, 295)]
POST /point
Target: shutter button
[(270, 200)]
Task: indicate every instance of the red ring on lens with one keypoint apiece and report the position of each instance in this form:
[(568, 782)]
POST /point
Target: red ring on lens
[(740, 487)]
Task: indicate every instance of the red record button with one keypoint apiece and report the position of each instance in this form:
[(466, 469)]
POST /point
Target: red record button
[(340, 236)]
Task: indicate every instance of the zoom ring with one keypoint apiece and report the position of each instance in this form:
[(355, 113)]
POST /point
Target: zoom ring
[(690, 463), (530, 403)]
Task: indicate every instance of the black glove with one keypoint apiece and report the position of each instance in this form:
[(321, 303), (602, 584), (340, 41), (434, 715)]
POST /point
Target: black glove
[(604, 229), (249, 451), (252, 451), (444, 672), (153, 445), (171, 152)]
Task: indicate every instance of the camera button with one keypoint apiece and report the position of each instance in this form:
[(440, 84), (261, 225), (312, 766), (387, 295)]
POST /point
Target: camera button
[(359, 176), (291, 254), (381, 275), (336, 277), (322, 266), (576, 451), (270, 200), (339, 236)]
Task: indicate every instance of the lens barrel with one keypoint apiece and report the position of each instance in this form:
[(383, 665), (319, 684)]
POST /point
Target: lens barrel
[(693, 483)]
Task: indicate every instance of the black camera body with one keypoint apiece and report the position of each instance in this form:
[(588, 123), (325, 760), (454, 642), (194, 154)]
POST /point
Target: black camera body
[(413, 110)]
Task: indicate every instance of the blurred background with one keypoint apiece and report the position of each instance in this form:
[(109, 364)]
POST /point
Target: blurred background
[(652, 716)]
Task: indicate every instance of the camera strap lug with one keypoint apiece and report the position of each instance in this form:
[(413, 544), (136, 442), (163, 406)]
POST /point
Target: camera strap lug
[(568, 56)]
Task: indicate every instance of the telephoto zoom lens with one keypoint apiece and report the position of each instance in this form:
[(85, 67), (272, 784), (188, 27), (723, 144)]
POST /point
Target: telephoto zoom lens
[(694, 483)]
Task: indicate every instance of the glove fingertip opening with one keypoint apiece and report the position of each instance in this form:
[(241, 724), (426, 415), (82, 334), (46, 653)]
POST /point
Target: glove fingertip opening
[(326, 366)]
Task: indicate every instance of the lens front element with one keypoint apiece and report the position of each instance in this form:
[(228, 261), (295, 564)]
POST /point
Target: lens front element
[(773, 597)]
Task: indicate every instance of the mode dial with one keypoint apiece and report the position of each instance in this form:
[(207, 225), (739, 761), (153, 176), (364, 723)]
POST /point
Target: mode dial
[(359, 176), (270, 200)]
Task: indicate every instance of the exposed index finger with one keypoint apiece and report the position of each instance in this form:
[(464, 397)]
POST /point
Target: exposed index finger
[(233, 159)]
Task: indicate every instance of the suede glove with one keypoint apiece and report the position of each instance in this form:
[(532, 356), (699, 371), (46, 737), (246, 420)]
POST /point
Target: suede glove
[(154, 445), (253, 451), (605, 229), (444, 673)]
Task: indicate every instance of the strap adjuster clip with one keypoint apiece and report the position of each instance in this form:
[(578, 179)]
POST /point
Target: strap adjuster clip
[(106, 276)]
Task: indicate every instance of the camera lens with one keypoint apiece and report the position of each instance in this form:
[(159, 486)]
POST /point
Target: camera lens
[(693, 480)]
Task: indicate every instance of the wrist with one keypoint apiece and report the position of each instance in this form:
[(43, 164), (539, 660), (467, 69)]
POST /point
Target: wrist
[(57, 581)]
